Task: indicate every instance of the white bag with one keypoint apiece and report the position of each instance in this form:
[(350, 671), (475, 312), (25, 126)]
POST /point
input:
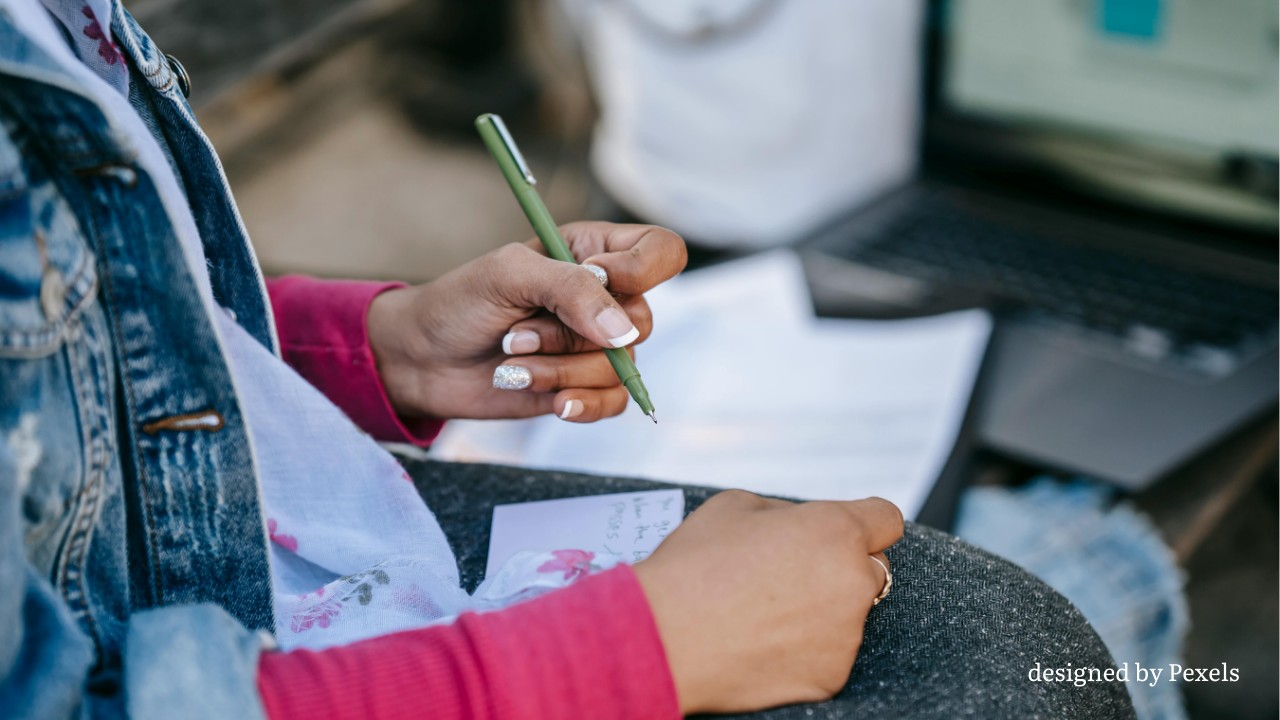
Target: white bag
[(745, 123)]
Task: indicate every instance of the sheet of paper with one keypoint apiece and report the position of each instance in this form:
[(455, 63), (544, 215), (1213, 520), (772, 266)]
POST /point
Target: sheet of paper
[(770, 288), (625, 525), (753, 392)]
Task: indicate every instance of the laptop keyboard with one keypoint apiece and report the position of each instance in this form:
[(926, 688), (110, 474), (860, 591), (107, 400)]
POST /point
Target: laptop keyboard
[(1140, 309)]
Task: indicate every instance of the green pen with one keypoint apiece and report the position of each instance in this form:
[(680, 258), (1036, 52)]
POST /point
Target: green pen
[(494, 133)]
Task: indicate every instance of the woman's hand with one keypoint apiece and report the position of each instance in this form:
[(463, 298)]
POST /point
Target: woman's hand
[(438, 345), (761, 602)]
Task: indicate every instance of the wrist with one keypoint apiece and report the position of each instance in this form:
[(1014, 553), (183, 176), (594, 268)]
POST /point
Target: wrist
[(392, 344), (652, 580)]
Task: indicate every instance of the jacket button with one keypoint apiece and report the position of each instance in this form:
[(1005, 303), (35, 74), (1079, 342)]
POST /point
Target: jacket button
[(180, 72), (53, 294)]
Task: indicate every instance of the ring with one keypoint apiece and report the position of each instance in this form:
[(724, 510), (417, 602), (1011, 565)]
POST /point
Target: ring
[(599, 272), (888, 581)]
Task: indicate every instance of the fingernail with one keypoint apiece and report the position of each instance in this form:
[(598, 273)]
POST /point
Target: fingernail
[(617, 327), (511, 377), (572, 408), (521, 342)]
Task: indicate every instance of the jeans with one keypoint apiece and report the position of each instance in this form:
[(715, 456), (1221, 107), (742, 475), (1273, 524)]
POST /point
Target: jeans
[(1106, 558), (957, 637)]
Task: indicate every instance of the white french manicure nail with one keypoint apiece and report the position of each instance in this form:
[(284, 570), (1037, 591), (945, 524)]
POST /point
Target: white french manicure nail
[(511, 377), (625, 340), (572, 408), (617, 327), (521, 342)]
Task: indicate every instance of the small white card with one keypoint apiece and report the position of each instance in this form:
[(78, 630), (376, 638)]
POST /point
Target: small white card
[(627, 526)]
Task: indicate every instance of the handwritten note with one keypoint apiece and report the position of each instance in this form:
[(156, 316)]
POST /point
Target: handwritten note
[(624, 525)]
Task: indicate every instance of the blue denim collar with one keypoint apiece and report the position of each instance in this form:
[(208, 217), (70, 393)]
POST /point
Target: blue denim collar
[(77, 134), (146, 57)]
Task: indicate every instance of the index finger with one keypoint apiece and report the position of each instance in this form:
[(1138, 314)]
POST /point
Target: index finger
[(637, 257), (881, 519)]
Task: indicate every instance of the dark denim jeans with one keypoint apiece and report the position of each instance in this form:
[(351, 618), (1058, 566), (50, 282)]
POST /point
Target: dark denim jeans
[(955, 638)]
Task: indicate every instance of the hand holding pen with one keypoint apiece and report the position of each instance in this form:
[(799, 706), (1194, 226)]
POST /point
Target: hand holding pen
[(518, 176), (529, 325)]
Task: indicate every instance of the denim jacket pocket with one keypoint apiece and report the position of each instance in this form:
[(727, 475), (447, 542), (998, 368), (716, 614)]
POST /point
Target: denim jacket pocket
[(56, 370), (47, 273)]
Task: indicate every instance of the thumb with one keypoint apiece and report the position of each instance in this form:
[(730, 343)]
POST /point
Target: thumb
[(529, 279)]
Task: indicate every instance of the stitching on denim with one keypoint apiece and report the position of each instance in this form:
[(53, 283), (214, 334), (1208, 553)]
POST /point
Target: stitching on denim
[(133, 40), (130, 399), (71, 576), (161, 64), (81, 281), (32, 344), (206, 420)]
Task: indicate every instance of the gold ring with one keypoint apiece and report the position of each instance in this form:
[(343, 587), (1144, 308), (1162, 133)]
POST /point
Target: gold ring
[(888, 581)]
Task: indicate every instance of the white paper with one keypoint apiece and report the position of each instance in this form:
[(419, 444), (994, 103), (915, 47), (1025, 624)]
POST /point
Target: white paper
[(628, 526), (751, 391)]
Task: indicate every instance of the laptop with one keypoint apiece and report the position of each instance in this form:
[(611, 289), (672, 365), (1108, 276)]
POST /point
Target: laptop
[(1102, 175)]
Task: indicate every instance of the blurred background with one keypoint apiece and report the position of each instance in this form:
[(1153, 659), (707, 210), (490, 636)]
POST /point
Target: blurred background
[(345, 125), (1136, 139)]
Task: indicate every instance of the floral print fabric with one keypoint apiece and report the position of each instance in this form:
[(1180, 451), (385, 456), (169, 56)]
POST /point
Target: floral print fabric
[(88, 25)]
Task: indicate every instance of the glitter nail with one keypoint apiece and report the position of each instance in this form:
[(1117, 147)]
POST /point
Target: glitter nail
[(512, 377)]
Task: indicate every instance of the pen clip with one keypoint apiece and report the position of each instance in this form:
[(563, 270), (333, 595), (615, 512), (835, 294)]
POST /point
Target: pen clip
[(511, 148)]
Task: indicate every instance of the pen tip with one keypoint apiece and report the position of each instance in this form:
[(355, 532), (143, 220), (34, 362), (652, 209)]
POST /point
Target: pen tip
[(652, 417)]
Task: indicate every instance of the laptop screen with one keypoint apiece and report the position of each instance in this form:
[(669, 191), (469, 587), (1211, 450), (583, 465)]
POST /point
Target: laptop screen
[(1193, 76), (1163, 104)]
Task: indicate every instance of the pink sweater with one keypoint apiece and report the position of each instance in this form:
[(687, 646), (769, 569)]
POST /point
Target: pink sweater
[(589, 651)]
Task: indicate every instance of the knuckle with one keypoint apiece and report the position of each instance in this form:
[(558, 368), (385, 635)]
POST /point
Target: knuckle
[(560, 377), (570, 291), (582, 284), (718, 500), (737, 498), (511, 252), (502, 264), (832, 521)]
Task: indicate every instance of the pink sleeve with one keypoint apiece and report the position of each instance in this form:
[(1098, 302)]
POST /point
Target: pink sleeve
[(591, 650), (324, 337)]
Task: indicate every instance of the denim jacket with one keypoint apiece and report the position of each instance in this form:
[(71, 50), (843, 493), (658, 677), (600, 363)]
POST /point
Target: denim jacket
[(133, 567)]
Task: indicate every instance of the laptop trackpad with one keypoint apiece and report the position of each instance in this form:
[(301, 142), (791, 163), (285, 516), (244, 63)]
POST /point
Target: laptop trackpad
[(1057, 405), (845, 289)]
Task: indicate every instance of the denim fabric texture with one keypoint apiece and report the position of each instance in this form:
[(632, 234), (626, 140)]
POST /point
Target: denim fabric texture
[(1105, 558), (110, 369)]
